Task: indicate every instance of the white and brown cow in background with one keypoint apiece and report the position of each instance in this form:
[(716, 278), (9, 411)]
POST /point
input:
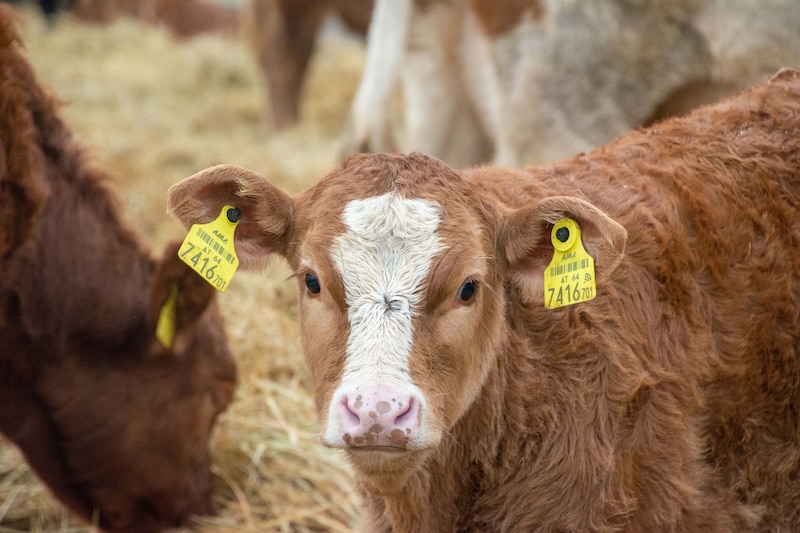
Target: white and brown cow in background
[(667, 403), (532, 81)]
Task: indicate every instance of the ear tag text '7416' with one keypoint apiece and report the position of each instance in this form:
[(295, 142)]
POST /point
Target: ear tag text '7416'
[(570, 277), (208, 248)]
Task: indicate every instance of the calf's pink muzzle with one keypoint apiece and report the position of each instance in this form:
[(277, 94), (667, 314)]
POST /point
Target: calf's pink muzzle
[(374, 417)]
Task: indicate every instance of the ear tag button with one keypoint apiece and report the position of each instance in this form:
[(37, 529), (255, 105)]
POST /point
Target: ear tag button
[(208, 248), (570, 277), (165, 328)]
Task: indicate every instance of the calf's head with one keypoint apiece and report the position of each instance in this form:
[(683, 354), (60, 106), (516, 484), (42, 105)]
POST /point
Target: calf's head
[(401, 264)]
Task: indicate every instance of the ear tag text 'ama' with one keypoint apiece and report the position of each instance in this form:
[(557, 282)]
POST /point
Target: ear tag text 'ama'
[(208, 248), (570, 276)]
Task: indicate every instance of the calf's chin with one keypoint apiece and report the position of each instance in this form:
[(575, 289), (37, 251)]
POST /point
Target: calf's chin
[(386, 472)]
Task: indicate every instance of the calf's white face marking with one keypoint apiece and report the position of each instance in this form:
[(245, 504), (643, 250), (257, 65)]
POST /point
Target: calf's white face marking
[(384, 256)]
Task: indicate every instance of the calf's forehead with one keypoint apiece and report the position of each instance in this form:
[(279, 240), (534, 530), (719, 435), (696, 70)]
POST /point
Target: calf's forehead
[(387, 244), (361, 186), (402, 228)]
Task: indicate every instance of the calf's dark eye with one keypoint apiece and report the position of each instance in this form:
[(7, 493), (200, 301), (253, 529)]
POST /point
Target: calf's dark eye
[(467, 291), (312, 283)]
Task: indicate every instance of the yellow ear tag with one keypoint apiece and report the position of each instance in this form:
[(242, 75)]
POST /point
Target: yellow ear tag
[(208, 248), (165, 329), (569, 278)]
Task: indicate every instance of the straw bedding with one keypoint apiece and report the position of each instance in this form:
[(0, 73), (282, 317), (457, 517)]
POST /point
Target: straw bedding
[(153, 111)]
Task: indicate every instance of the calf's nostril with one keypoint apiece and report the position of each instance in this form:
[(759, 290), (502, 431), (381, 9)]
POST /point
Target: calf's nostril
[(405, 415), (350, 414)]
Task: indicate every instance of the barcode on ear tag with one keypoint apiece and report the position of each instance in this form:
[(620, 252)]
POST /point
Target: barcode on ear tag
[(570, 276), (208, 248)]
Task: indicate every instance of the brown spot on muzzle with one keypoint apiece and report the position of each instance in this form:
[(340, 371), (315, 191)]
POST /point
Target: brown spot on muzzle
[(398, 438), (357, 441), (383, 407)]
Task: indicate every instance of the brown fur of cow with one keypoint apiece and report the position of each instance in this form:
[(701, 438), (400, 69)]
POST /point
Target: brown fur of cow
[(116, 425), (668, 403)]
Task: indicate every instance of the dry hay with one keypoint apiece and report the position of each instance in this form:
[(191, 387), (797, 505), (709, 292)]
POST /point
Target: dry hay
[(153, 111)]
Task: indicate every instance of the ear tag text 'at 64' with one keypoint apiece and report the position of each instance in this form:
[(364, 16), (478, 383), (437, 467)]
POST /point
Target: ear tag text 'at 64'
[(569, 278), (208, 248)]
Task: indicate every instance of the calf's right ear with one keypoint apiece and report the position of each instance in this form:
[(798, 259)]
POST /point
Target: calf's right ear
[(266, 222)]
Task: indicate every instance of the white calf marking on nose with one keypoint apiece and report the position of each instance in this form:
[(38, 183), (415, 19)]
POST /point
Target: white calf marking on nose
[(384, 256)]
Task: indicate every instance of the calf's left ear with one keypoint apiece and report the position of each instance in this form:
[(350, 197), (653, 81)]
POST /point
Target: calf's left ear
[(525, 239), (266, 211)]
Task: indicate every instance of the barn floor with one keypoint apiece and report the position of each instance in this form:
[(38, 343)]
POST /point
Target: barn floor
[(154, 110)]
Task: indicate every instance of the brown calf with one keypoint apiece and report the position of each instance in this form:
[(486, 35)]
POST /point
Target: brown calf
[(669, 402), (114, 423)]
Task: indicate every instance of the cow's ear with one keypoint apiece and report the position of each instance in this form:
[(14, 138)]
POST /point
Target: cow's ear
[(527, 246), (178, 297), (266, 221)]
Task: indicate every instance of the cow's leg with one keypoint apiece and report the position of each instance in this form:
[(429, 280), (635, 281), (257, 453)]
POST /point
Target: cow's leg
[(284, 33), (368, 128), (439, 117)]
